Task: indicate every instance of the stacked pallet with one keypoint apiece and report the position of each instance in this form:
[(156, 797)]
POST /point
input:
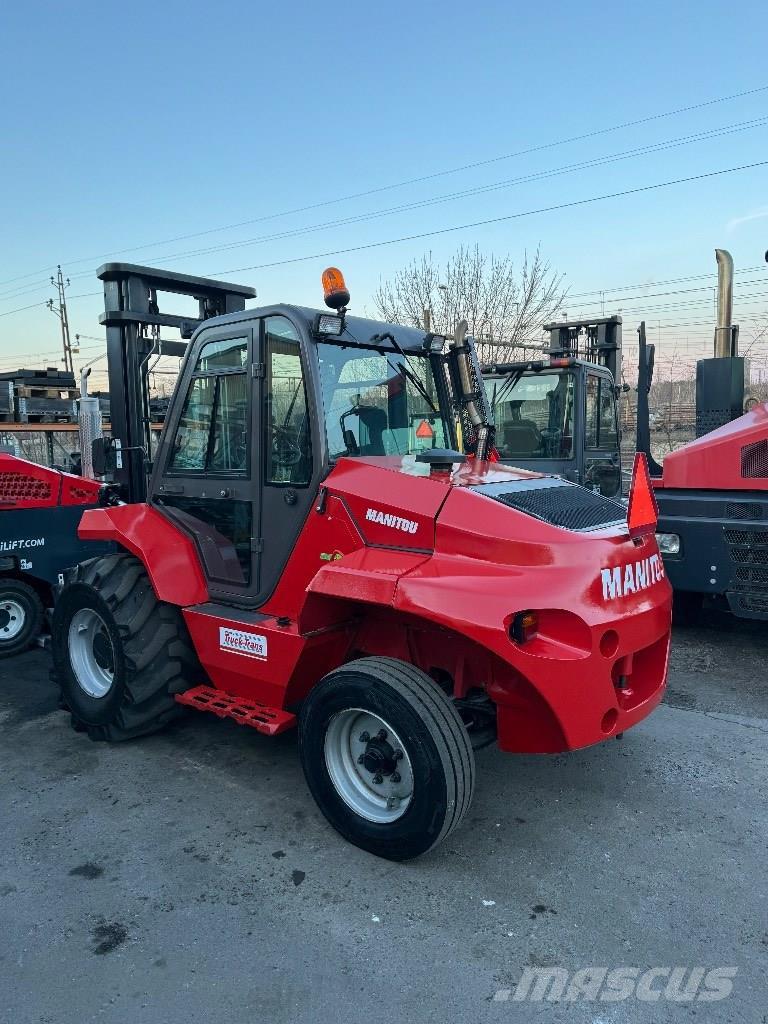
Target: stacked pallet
[(39, 396)]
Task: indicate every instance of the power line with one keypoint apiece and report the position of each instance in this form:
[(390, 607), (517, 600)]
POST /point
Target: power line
[(466, 193), (496, 220), (450, 197), (412, 181), (35, 305), (658, 284)]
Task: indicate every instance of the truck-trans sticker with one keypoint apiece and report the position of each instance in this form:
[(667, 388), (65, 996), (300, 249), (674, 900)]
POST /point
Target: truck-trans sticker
[(25, 542), (252, 645), (373, 515), (618, 582)]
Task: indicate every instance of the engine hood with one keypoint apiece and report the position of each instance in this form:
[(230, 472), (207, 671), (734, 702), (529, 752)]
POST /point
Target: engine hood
[(733, 457), (536, 538), (392, 507)]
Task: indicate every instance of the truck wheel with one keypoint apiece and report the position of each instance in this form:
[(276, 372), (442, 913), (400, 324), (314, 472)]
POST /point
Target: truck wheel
[(21, 616), (386, 757), (119, 654)]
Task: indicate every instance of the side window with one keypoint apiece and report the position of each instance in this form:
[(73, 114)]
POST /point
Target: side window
[(601, 429), (592, 418), (212, 434), (609, 434), (287, 427)]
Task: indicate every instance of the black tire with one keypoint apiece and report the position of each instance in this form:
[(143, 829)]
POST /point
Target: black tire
[(141, 641), (437, 748), (21, 616)]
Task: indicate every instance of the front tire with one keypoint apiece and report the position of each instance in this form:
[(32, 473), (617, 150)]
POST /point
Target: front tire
[(387, 757), (119, 653), (21, 616)]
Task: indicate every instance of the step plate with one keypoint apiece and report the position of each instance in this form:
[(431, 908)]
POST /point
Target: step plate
[(270, 721)]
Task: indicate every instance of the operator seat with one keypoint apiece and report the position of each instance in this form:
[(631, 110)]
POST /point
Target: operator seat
[(374, 420), (521, 439), (521, 436)]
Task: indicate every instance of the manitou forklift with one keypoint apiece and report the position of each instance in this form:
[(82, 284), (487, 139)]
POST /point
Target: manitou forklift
[(712, 493), (40, 509), (559, 414), (308, 549)]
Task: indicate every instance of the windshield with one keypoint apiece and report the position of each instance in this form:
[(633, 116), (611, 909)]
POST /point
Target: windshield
[(534, 419), (378, 403)]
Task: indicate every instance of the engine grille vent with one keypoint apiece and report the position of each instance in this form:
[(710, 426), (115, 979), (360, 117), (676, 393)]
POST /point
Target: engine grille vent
[(20, 487), (749, 551), (744, 510), (754, 460), (567, 506), (749, 574)]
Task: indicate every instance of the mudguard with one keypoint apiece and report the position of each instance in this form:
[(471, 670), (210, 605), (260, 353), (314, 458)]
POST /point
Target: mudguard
[(169, 556)]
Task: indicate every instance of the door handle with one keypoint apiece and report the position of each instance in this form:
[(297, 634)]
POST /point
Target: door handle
[(171, 488)]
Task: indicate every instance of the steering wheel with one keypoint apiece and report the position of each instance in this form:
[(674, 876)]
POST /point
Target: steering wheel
[(285, 450)]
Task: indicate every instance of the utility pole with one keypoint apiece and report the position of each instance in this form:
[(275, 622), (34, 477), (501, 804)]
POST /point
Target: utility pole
[(59, 307), (426, 316)]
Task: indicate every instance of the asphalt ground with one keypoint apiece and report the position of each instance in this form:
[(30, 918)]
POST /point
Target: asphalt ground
[(189, 877)]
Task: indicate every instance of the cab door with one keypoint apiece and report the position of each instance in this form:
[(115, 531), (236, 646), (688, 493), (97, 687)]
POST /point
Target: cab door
[(602, 452), (206, 478)]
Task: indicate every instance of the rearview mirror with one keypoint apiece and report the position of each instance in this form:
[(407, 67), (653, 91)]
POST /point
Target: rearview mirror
[(103, 456)]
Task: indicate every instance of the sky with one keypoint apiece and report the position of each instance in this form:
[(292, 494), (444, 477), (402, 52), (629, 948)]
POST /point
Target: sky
[(127, 126)]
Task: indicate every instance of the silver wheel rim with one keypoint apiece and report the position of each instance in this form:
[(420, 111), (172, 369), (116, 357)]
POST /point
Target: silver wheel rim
[(13, 617), (90, 653), (368, 765)]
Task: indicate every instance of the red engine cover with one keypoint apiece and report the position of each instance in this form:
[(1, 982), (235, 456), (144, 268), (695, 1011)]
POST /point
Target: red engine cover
[(731, 458), (26, 485)]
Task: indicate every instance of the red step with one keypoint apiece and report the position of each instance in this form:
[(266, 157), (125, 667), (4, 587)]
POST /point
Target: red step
[(270, 721)]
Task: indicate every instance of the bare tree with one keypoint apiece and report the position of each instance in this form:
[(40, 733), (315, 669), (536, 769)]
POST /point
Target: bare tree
[(505, 307)]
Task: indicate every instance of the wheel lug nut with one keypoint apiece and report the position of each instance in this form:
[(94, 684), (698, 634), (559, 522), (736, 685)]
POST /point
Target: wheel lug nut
[(364, 737), (361, 759), (398, 755), (382, 735), (378, 779), (395, 776)]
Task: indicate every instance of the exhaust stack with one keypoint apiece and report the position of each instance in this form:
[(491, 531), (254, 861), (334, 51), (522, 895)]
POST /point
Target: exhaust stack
[(472, 393), (89, 424), (726, 335)]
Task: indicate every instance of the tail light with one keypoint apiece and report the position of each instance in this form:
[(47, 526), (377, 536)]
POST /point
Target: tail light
[(525, 626)]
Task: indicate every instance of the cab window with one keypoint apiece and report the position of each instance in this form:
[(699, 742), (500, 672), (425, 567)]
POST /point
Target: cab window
[(535, 418), (377, 402), (601, 427), (212, 435), (289, 444)]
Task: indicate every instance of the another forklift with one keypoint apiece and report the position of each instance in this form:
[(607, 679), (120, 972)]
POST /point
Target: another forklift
[(712, 493), (40, 509), (308, 549), (559, 415)]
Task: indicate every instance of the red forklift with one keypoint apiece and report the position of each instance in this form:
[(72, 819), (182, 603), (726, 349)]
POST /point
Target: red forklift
[(560, 414), (40, 509), (308, 548), (712, 493)]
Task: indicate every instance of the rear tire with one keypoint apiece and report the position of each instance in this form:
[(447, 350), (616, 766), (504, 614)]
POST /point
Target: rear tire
[(21, 616), (119, 653), (403, 789)]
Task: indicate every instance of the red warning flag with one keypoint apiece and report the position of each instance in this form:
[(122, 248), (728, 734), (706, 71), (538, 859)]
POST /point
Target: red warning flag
[(424, 430), (643, 512)]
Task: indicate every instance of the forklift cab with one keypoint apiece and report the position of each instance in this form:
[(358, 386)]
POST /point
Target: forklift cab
[(560, 417), (267, 401)]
